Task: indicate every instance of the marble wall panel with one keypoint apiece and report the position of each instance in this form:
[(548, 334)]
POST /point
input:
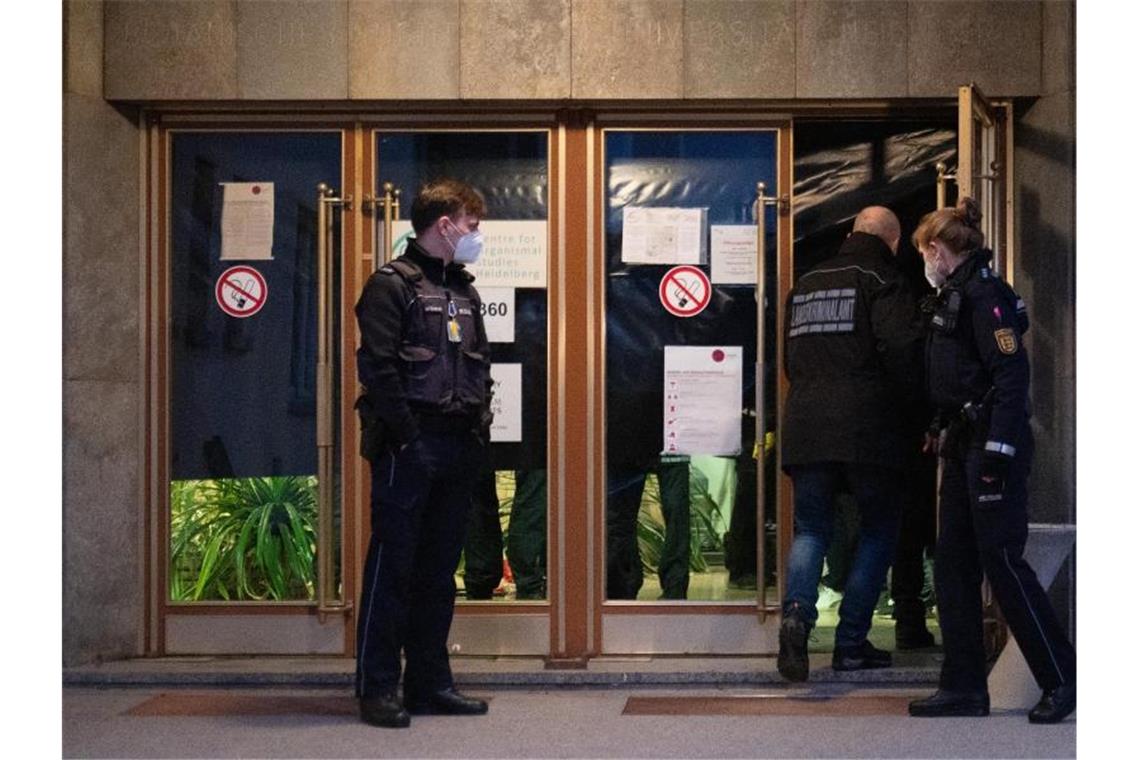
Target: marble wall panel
[(740, 49), (170, 50), (103, 591), (83, 47), (403, 50), (851, 49), (514, 49), (996, 44), (292, 50), (101, 257), (1059, 46), (628, 49)]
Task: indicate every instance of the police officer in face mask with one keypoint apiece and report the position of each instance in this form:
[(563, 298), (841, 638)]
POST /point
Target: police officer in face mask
[(978, 379), (425, 416)]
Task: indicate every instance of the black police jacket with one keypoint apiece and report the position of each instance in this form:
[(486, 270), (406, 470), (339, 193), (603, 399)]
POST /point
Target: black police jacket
[(975, 354), (853, 357), (414, 365)]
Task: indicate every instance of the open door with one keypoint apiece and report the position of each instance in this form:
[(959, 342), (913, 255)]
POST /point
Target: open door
[(985, 170), (985, 173)]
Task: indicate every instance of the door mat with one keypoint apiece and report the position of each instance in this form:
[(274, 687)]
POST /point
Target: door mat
[(228, 703), (770, 704)]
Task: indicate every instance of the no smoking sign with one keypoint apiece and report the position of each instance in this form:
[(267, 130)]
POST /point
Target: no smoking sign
[(685, 291), (241, 291)]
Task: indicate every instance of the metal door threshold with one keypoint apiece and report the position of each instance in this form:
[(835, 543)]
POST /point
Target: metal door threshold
[(910, 668)]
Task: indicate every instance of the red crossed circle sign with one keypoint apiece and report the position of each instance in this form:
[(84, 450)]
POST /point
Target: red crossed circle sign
[(685, 291), (241, 291)]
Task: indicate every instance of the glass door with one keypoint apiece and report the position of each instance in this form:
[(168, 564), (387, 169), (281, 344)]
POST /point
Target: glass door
[(693, 253), (985, 170), (252, 555), (502, 579)]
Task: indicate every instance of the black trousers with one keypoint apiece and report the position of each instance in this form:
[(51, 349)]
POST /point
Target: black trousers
[(526, 537), (624, 574), (526, 541), (989, 537), (916, 535), (420, 500), (483, 549)]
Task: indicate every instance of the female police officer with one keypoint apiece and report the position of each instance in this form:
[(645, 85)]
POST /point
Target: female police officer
[(978, 379)]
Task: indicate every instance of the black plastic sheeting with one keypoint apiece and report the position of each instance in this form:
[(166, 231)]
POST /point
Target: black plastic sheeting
[(839, 167), (243, 391), (717, 170), (842, 167)]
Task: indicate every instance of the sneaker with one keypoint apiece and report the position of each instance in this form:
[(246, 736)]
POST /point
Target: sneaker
[(792, 662), (863, 657), (828, 598)]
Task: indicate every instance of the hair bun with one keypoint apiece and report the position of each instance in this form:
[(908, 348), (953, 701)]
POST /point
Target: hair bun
[(969, 212)]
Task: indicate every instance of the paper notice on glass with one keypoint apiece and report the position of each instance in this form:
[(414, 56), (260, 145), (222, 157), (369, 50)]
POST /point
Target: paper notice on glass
[(499, 314), (733, 254), (664, 235), (514, 255), (703, 394), (514, 252), (401, 234), (506, 404), (247, 220)]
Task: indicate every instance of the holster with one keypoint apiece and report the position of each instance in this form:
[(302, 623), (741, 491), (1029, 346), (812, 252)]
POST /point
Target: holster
[(968, 428), (372, 434)]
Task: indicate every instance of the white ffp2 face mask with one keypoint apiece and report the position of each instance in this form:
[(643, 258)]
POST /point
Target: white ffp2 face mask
[(932, 265), (467, 249), (933, 275)]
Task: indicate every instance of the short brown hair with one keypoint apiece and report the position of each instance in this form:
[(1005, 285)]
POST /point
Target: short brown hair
[(444, 197), (956, 228)]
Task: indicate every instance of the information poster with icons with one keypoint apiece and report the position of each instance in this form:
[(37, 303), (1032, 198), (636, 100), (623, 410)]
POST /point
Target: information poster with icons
[(703, 394)]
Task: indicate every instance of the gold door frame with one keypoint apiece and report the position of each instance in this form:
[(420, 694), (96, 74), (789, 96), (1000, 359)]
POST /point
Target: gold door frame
[(571, 621), (198, 627), (628, 621)]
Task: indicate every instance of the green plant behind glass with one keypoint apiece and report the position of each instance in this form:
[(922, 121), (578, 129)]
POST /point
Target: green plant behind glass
[(243, 539)]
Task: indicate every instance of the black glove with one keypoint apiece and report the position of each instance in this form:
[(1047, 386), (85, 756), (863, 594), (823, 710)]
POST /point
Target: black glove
[(414, 450), (995, 470), (483, 432)]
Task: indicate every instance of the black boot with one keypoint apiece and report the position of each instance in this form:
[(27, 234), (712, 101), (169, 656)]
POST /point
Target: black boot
[(792, 662), (445, 702), (863, 657), (912, 637), (385, 711), (1055, 704), (945, 703)]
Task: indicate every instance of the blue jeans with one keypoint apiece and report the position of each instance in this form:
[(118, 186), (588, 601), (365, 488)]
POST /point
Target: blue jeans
[(878, 493)]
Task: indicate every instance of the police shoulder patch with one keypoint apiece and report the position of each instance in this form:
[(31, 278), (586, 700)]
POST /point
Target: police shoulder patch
[(1006, 340)]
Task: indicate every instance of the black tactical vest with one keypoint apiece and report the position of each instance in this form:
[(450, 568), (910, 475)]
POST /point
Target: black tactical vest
[(443, 368)]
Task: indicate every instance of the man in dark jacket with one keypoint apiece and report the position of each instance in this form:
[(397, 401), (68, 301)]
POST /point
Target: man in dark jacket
[(853, 358), (424, 363)]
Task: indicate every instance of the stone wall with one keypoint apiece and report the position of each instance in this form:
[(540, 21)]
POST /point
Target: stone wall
[(1045, 167), (568, 49), (103, 589)]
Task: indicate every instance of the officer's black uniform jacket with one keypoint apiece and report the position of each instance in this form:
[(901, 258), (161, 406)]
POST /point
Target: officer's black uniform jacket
[(853, 347), (975, 354), (412, 373)]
